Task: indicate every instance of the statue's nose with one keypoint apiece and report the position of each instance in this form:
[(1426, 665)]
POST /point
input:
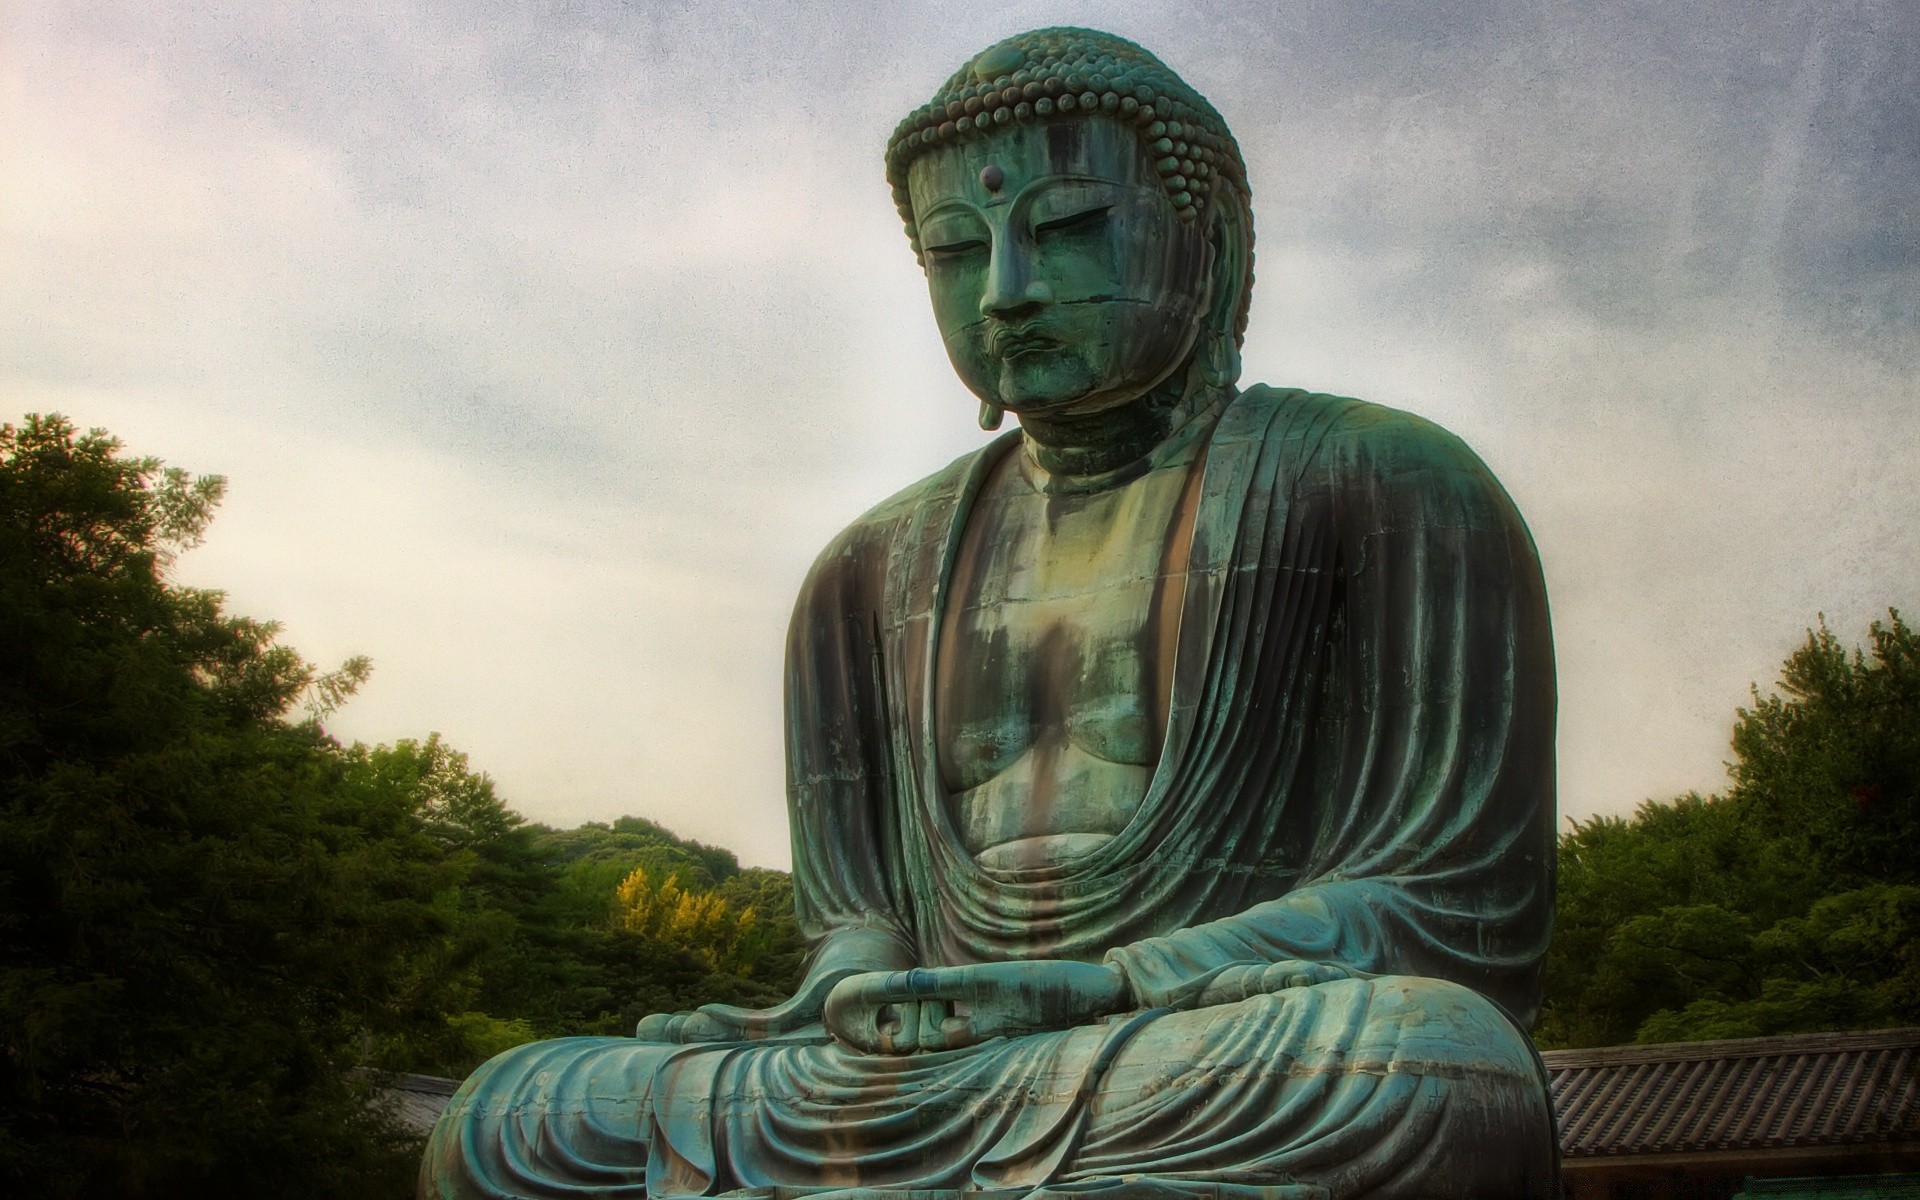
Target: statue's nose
[(1012, 289)]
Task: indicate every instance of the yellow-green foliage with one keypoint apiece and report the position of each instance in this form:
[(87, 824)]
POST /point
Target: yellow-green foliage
[(702, 921)]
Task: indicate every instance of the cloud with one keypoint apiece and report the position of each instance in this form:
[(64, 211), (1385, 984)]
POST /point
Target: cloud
[(545, 345)]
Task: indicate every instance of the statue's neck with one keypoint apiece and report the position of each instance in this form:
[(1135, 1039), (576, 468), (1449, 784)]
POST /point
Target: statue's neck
[(1115, 444)]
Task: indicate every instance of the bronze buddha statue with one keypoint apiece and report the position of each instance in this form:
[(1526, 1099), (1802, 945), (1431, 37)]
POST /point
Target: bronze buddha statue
[(1171, 780)]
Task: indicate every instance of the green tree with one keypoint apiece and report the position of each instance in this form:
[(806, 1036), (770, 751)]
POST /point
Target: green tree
[(202, 917), (1789, 903), (496, 883), (537, 942)]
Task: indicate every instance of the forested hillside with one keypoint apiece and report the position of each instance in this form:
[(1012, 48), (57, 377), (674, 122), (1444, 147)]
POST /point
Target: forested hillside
[(578, 931), (214, 916)]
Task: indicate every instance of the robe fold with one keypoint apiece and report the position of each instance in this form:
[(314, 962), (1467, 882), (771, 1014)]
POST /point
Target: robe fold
[(1357, 771)]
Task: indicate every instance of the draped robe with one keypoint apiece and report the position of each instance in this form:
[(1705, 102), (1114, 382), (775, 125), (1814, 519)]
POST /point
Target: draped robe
[(1357, 770)]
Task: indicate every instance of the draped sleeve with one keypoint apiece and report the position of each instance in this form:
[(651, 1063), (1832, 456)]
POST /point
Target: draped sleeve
[(840, 799), (1420, 807)]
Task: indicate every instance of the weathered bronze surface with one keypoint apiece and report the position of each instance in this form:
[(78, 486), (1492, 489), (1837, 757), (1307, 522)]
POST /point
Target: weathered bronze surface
[(1171, 780)]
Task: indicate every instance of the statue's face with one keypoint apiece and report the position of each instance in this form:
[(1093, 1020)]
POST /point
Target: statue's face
[(1072, 286)]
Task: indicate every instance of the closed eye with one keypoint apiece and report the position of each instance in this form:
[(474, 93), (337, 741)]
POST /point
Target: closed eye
[(1084, 219), (945, 249)]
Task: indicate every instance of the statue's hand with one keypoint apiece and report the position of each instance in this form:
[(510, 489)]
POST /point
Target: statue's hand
[(945, 1008), (730, 1023), (1243, 980)]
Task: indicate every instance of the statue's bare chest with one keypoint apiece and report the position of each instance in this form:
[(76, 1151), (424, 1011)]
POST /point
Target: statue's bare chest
[(1056, 658)]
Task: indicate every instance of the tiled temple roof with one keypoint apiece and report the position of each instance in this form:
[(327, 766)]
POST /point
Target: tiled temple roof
[(1803, 1091), (419, 1100)]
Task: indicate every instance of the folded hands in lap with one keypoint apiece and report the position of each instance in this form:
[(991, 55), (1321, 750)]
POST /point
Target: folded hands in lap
[(948, 1008)]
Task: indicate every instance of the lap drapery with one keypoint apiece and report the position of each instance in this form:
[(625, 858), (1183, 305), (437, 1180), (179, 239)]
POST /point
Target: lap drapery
[(1391, 1087)]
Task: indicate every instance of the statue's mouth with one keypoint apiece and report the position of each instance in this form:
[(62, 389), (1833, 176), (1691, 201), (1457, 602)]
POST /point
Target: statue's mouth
[(1015, 342)]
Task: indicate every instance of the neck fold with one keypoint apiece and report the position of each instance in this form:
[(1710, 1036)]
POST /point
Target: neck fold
[(1087, 451)]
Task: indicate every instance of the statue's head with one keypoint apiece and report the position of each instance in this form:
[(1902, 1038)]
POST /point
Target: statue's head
[(1081, 215)]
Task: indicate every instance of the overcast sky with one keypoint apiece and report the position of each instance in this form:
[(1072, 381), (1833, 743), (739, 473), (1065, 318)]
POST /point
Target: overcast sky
[(545, 344)]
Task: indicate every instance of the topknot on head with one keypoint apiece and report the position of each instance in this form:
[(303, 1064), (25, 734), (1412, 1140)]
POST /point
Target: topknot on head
[(1046, 74)]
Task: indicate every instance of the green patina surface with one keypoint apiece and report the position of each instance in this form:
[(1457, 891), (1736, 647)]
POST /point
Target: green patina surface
[(1171, 780)]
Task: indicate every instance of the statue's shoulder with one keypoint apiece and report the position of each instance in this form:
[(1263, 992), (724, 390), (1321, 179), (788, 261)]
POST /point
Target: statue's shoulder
[(1353, 435)]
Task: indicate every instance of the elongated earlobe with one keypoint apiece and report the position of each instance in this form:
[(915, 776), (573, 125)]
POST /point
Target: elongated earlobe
[(1232, 236), (1219, 360), (991, 415)]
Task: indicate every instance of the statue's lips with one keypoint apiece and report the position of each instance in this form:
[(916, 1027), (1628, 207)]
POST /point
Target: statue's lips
[(1014, 344)]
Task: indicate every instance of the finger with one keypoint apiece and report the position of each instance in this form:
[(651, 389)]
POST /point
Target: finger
[(1283, 975), (699, 1027), (852, 1016), (654, 1027), (956, 1028), (933, 1020), (886, 1023), (718, 1016), (745, 1023), (1237, 983), (906, 1038), (1304, 974), (863, 1030), (920, 983)]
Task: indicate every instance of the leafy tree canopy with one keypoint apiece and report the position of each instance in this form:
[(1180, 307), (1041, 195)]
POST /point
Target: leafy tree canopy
[(212, 915), (1790, 903), (200, 918)]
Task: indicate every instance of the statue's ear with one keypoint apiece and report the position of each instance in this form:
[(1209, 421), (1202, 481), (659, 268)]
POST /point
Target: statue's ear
[(1227, 230)]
